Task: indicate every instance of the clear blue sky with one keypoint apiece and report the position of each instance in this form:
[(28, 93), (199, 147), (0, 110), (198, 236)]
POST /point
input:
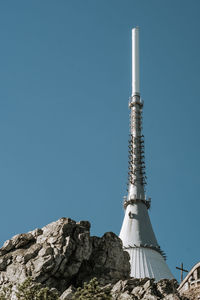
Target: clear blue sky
[(65, 80)]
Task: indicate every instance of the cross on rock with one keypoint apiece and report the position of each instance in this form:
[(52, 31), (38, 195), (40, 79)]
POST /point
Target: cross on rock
[(182, 270)]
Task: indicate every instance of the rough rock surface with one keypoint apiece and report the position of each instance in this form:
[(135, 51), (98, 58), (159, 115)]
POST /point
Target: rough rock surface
[(62, 254), (146, 289), (138, 289), (68, 294), (193, 293)]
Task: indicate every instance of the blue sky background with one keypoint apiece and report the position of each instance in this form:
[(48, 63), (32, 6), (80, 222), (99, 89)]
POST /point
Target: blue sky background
[(65, 80)]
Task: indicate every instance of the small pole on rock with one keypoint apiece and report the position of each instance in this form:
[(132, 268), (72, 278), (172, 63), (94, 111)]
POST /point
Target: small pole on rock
[(182, 270)]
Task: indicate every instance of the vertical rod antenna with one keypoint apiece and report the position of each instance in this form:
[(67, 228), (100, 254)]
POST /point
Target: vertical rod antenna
[(135, 62)]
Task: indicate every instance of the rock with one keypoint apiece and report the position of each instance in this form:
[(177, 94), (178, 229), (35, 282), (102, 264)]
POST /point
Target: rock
[(145, 289), (7, 246), (107, 262), (172, 297), (151, 297), (61, 254), (167, 287), (125, 296), (138, 291), (117, 288), (68, 294), (193, 293), (148, 284)]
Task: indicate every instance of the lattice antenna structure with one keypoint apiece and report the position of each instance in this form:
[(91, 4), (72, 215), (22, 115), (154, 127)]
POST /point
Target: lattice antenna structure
[(136, 158)]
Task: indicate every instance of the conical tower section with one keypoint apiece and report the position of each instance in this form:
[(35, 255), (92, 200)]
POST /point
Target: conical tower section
[(137, 235)]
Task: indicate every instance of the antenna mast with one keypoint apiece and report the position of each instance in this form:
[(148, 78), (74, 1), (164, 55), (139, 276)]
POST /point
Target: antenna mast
[(137, 235), (136, 173)]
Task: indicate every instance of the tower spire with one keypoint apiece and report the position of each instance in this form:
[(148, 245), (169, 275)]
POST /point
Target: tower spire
[(137, 235), (136, 174), (135, 62)]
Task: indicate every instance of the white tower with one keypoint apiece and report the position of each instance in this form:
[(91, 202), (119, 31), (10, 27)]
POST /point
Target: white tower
[(146, 257)]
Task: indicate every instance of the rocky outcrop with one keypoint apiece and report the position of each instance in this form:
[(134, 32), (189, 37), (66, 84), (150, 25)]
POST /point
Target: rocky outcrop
[(146, 289), (62, 254), (137, 289)]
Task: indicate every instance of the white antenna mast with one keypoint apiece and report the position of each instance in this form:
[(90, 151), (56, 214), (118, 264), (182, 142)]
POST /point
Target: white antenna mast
[(135, 62), (146, 257)]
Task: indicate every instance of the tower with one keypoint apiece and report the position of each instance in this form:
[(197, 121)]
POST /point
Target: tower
[(137, 235)]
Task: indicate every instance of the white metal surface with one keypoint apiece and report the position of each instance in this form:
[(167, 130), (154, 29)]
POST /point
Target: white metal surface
[(148, 263), (136, 228), (137, 235), (135, 62), (140, 242)]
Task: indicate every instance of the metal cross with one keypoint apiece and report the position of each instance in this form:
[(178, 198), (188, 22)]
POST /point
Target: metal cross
[(182, 270)]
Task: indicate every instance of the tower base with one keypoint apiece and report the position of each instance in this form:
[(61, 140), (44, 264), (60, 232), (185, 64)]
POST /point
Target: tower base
[(149, 263)]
